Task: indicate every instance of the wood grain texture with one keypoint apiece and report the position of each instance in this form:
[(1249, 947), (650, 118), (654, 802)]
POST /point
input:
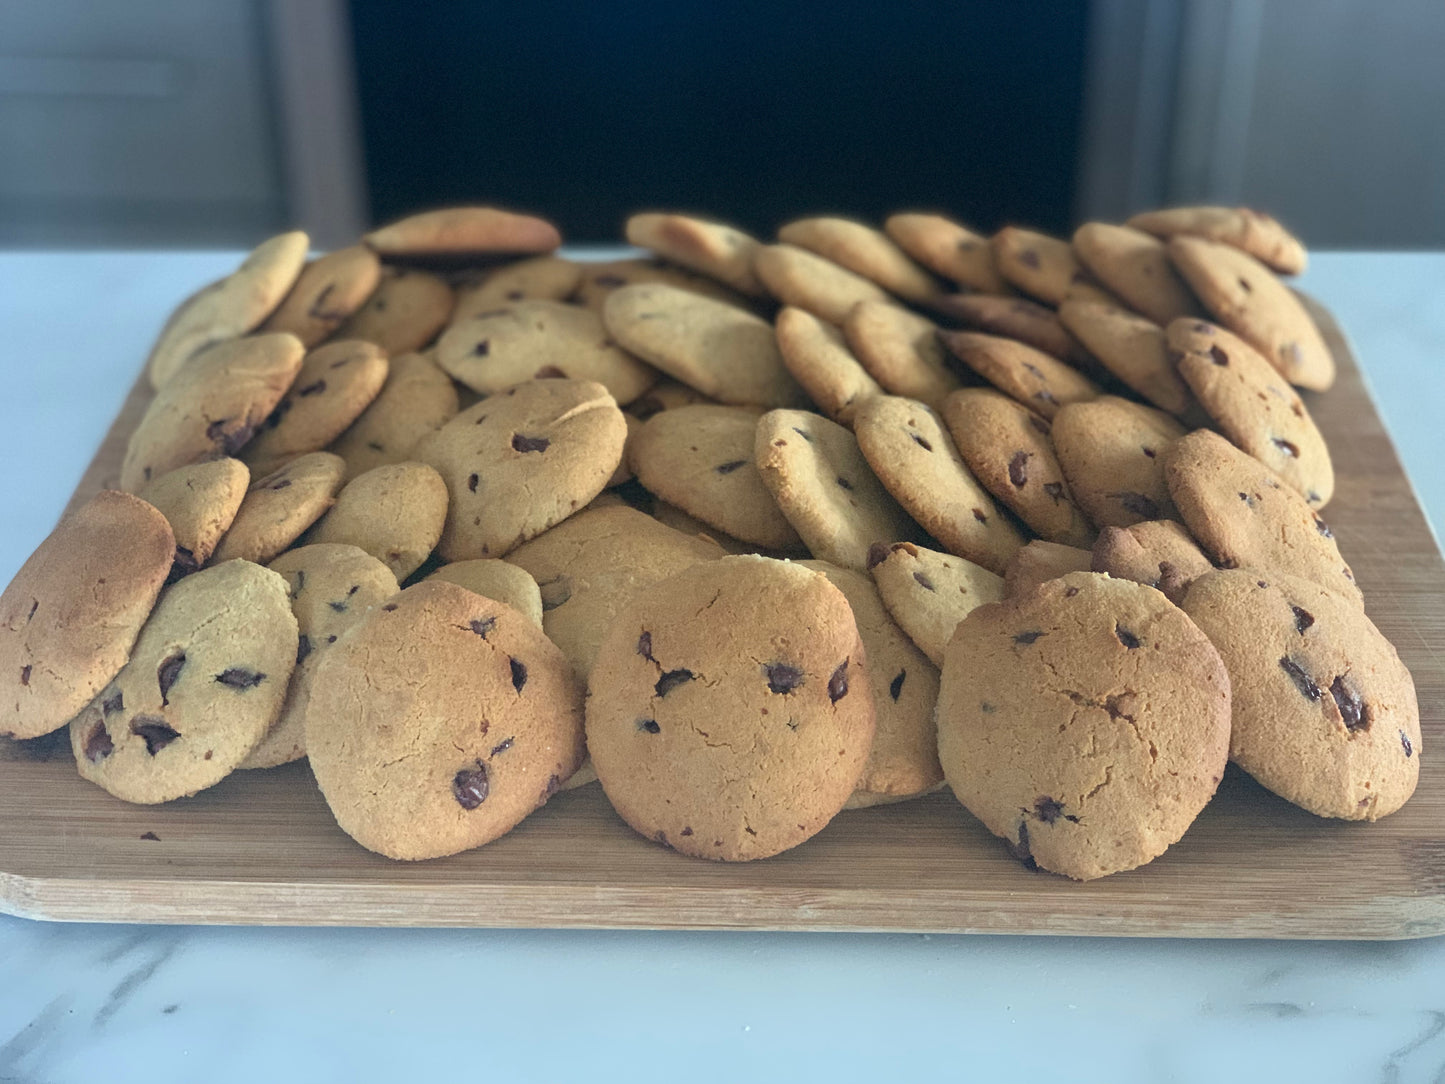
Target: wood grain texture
[(262, 848)]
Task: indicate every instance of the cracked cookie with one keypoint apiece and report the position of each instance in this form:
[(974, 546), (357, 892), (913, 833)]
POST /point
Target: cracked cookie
[(469, 719), (730, 714), (1086, 723)]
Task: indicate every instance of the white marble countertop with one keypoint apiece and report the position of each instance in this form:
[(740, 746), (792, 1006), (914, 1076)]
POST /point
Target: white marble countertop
[(83, 1003)]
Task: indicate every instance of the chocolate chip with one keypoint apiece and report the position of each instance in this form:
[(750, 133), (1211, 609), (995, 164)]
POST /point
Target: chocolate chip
[(280, 484), (671, 680), (686, 831), (1302, 681), (845, 483), (924, 582), (1139, 504), (228, 440), (502, 748), (838, 683), (113, 704), (153, 838), (303, 648), (1020, 850), (1029, 258), (878, 553), (156, 732), (1071, 592), (987, 708), (313, 389), (783, 678), (644, 646), (519, 673), (549, 372), (472, 480), (1150, 452), (1048, 809), (529, 444), (482, 625), (98, 745), (978, 515), (649, 725), (238, 678), (1352, 710), (35, 605), (1245, 286), (1217, 353), (1127, 638), (25, 675), (469, 786), (1261, 583), (482, 349), (1034, 369), (1303, 619), (1018, 468), (1028, 637), (895, 687), (1323, 528), (1041, 424), (167, 673), (391, 607), (802, 434), (921, 442), (1289, 449), (730, 466), (1405, 741), (1247, 499), (1055, 490), (554, 781), (339, 606)]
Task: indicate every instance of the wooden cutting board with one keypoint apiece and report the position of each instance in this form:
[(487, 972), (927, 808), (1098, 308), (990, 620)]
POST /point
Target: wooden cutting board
[(262, 848)]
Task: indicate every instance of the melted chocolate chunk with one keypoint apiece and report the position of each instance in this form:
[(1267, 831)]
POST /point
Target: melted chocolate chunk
[(1055, 490), (1303, 619), (502, 748), (1028, 637), (529, 444), (303, 648), (1029, 258), (25, 675), (644, 646), (239, 678), (783, 678), (228, 441), (482, 349), (1352, 709), (1217, 353), (519, 673), (315, 388), (1289, 449), (878, 553), (113, 704), (167, 673), (921, 442), (924, 582), (649, 725), (1139, 504), (1302, 681), (1018, 468), (151, 837), (671, 680), (730, 466), (845, 483), (1048, 809), (482, 625), (1127, 638), (686, 831), (838, 683), (155, 730), (390, 607), (98, 745), (1405, 743), (469, 786), (978, 515), (895, 687)]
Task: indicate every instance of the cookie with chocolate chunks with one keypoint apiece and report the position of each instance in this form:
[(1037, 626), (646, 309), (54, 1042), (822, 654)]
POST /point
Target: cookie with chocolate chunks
[(928, 593), (200, 502), (864, 251), (948, 249), (1159, 553), (1041, 561), (1111, 451), (416, 400), (329, 291), (279, 507), (404, 313), (1038, 380)]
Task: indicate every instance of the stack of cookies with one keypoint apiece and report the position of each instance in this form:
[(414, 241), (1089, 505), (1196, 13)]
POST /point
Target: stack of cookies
[(751, 533)]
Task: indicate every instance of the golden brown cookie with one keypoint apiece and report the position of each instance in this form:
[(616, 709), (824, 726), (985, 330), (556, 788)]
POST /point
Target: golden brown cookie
[(541, 278), (328, 292), (1039, 381), (1041, 266), (818, 357), (458, 233), (199, 502), (1134, 350), (416, 400), (393, 513), (797, 277), (1041, 561), (864, 251), (947, 249), (279, 507), (900, 350), (1159, 553), (1111, 451), (1016, 318), (1253, 232), (720, 252), (404, 312), (1135, 266), (600, 279), (499, 580), (928, 593)]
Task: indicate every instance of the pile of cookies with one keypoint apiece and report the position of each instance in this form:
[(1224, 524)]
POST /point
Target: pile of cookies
[(766, 531)]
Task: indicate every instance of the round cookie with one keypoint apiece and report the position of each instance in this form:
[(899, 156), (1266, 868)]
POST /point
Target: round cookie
[(1134, 350), (521, 460), (1258, 234), (1243, 516), (900, 350), (1041, 561), (1135, 266), (404, 312), (928, 593), (589, 566), (1325, 714), (458, 233), (806, 281), (416, 400), (70, 615), (1008, 449), (1253, 406), (903, 763), (204, 683), (328, 292), (1016, 318), (864, 251), (947, 249), (826, 489), (1040, 381), (1111, 453), (666, 394), (1247, 298), (600, 279), (729, 713), (1159, 553), (279, 507), (211, 407), (700, 458), (915, 459), (332, 587), (671, 515), (199, 502), (718, 251), (1086, 723), (815, 353), (526, 340), (394, 513), (1041, 266), (499, 580), (468, 720), (724, 352), (541, 278), (336, 383), (229, 308)]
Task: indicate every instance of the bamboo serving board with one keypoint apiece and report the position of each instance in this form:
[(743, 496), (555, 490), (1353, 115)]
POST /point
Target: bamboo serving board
[(262, 848)]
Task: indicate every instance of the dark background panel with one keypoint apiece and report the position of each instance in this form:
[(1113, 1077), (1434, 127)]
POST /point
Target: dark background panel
[(586, 112)]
